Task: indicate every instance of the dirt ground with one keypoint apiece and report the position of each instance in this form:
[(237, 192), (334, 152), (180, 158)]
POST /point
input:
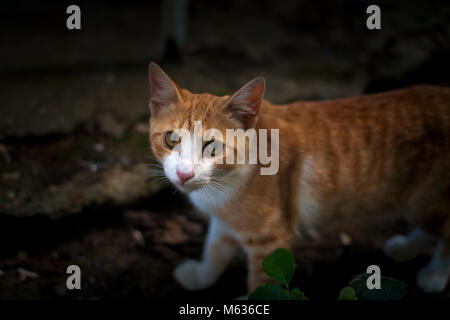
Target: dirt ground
[(130, 253), (74, 152)]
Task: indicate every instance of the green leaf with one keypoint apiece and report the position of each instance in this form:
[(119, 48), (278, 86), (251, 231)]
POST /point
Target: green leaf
[(391, 289), (348, 293), (296, 294), (280, 266), (269, 292)]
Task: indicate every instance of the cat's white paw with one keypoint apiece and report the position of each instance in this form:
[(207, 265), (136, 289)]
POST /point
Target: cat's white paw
[(398, 248), (432, 280), (192, 276)]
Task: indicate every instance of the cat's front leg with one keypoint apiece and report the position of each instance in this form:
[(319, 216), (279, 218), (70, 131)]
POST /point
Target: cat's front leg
[(256, 275), (218, 251), (258, 248)]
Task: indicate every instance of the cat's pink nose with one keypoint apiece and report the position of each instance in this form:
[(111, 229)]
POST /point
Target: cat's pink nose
[(184, 176)]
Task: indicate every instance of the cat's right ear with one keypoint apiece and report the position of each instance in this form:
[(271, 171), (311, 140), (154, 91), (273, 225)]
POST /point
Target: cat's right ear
[(163, 91), (244, 104)]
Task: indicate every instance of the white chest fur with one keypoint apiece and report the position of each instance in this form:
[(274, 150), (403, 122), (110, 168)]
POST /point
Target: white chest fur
[(220, 191)]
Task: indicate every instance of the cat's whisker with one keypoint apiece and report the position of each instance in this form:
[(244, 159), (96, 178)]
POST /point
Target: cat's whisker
[(226, 195), (230, 181), (155, 173), (155, 169), (218, 190), (210, 197), (152, 157)]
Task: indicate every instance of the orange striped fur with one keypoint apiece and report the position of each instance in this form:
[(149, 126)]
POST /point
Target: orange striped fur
[(386, 152)]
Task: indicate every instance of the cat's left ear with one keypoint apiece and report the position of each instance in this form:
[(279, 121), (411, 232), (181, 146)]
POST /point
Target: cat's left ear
[(163, 91), (244, 104)]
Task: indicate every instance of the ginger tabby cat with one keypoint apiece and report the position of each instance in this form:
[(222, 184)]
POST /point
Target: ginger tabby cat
[(386, 152)]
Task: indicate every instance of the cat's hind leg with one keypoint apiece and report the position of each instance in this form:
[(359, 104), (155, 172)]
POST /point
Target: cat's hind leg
[(404, 248), (434, 277), (218, 251)]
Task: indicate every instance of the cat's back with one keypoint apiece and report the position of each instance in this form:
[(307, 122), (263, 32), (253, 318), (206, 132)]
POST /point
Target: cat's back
[(377, 146), (414, 112), (419, 101)]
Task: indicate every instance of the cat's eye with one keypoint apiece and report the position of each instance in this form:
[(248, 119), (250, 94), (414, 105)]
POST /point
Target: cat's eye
[(212, 146), (171, 139), (205, 145)]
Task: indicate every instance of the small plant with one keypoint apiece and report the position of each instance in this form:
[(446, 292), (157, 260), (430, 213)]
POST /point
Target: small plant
[(391, 289), (348, 293), (280, 266)]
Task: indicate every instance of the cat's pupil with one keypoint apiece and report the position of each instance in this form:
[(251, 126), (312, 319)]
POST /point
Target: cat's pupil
[(206, 144)]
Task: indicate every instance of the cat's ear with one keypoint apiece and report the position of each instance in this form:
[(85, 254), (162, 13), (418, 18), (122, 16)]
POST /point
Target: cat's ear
[(163, 91), (244, 104)]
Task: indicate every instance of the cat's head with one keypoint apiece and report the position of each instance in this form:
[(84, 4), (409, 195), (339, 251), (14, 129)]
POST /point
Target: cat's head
[(175, 112)]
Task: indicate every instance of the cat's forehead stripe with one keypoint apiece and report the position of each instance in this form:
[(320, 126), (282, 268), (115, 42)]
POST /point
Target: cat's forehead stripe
[(198, 107)]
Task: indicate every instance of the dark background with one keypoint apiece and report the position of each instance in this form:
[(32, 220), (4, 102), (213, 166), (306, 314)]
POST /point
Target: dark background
[(74, 150)]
